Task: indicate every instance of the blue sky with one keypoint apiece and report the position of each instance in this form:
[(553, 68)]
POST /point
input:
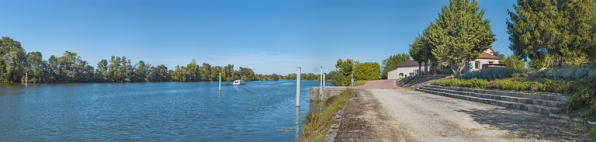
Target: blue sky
[(269, 36)]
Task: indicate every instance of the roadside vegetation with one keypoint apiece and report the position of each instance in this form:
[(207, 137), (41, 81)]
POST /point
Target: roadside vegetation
[(359, 82), (316, 124), (361, 71)]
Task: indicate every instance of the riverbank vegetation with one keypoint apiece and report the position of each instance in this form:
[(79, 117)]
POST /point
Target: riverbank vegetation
[(316, 124), (70, 67)]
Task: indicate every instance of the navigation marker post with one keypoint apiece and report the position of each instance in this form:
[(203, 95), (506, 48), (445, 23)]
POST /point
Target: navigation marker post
[(219, 82), (321, 80), (298, 87)]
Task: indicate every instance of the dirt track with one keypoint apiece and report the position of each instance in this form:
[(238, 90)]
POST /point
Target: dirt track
[(383, 112)]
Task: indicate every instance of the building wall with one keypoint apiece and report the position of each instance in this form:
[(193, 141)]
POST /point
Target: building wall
[(394, 74), (470, 65)]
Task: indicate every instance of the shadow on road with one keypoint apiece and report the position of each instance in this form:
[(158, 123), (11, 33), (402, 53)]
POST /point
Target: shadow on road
[(527, 124)]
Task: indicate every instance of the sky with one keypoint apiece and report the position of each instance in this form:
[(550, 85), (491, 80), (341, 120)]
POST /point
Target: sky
[(269, 36)]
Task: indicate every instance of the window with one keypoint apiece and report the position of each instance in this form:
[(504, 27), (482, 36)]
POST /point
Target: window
[(477, 64), (490, 62)]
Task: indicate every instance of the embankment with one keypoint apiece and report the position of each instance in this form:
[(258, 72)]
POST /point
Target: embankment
[(317, 123)]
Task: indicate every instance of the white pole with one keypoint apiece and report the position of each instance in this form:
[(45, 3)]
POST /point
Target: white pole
[(219, 81), (298, 87), (297, 122), (321, 80), (352, 80)]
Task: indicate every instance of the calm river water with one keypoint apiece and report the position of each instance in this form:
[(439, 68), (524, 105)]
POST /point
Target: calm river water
[(257, 111)]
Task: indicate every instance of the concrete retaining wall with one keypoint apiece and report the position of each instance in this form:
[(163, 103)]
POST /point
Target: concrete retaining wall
[(328, 91)]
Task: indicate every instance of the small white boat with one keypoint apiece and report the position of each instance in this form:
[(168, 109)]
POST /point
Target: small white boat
[(238, 82)]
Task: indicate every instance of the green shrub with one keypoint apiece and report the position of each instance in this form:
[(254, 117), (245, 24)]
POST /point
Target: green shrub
[(495, 73), (581, 73), (592, 73)]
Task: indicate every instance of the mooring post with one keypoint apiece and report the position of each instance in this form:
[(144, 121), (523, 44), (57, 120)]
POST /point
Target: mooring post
[(297, 123), (298, 87), (220, 82), (321, 84), (323, 80)]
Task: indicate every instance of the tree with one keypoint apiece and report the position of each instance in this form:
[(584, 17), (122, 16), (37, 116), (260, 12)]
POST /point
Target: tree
[(561, 28), (229, 69), (35, 62), (142, 71), (247, 74), (193, 71), (13, 60), (391, 63), (512, 62), (337, 79), (459, 34), (367, 71), (345, 67), (205, 71), (416, 51), (102, 71)]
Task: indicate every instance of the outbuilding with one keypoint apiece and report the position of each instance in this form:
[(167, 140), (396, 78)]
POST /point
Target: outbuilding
[(406, 68)]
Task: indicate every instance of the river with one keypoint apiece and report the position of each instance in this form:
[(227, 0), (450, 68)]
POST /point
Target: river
[(168, 111)]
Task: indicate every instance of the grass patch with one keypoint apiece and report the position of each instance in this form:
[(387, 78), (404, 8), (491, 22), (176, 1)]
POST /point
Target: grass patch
[(359, 82), (316, 124)]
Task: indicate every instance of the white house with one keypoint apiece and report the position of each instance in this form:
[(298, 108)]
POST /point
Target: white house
[(406, 68), (409, 67), (485, 58)]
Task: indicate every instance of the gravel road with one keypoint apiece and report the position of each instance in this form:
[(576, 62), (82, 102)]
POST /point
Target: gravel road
[(384, 112)]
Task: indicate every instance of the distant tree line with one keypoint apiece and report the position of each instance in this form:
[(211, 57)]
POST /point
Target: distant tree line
[(15, 62), (303, 77)]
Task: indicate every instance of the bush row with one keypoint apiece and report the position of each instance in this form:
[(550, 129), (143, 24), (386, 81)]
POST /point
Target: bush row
[(567, 73), (495, 73)]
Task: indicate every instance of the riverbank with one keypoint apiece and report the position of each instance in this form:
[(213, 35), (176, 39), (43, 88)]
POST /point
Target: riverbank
[(317, 123)]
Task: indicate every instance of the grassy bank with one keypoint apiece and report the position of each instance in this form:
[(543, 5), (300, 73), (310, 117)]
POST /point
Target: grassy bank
[(359, 82), (317, 123)]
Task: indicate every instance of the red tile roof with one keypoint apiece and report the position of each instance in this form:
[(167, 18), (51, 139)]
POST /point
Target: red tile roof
[(485, 55)]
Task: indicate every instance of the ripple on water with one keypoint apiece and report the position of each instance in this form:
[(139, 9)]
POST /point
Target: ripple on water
[(150, 111)]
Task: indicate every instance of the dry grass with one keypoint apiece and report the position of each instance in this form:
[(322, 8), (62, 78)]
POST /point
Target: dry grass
[(317, 123)]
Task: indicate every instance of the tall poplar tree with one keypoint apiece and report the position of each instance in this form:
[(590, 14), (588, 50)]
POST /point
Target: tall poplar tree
[(459, 34), (560, 28)]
